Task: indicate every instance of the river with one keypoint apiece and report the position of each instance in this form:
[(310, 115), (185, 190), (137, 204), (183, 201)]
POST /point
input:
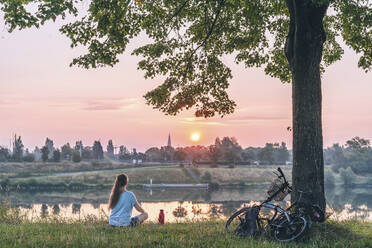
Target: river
[(178, 204)]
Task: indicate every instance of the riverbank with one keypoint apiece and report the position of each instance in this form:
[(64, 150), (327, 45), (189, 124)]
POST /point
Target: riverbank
[(31, 169), (96, 233), (223, 176)]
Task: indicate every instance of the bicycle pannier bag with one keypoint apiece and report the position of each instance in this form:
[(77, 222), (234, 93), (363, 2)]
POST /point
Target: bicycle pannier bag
[(249, 225)]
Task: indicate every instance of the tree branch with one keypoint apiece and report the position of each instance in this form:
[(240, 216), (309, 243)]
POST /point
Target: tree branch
[(210, 31), (288, 47), (177, 12)]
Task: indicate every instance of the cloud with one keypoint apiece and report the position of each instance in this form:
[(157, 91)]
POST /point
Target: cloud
[(109, 104), (234, 120), (202, 121), (2, 102), (206, 123), (85, 103), (256, 118), (10, 100)]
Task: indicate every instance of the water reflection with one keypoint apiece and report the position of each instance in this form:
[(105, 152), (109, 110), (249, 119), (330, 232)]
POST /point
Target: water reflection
[(44, 209), (215, 211), (174, 211), (179, 205), (56, 209), (180, 212), (76, 208), (230, 207), (95, 205)]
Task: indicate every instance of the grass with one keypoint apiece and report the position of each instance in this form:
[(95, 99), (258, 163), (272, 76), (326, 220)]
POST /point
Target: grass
[(240, 176), (136, 176), (54, 231), (25, 169), (249, 175), (96, 233), (356, 180), (33, 179)]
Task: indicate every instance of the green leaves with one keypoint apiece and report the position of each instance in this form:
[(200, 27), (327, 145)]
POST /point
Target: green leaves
[(188, 39), (355, 20), (18, 14), (198, 82), (332, 51)]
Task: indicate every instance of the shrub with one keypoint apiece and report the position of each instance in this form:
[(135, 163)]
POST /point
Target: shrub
[(76, 157), (31, 182), (196, 171), (329, 179), (9, 215), (94, 163), (207, 177), (347, 176), (213, 186), (24, 174), (215, 165), (231, 166), (335, 168), (29, 158), (56, 156), (4, 184), (107, 161)]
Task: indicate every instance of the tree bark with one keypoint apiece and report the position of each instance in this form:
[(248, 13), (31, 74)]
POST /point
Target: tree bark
[(303, 50)]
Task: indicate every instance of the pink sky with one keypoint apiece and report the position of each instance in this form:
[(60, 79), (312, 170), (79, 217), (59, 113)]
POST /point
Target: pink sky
[(41, 96)]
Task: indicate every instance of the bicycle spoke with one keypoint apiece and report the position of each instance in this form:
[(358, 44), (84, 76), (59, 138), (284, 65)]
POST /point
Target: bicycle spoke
[(290, 231), (241, 219), (273, 218)]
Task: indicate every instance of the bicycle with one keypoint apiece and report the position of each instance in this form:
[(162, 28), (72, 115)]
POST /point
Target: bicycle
[(285, 225)]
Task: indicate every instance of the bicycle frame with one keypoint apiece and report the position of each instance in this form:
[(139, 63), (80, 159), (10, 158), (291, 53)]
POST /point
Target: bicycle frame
[(284, 220), (276, 209)]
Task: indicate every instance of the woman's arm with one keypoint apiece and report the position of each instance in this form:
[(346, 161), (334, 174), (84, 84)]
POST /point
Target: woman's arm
[(139, 208)]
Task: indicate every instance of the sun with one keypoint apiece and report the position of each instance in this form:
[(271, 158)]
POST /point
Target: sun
[(195, 136)]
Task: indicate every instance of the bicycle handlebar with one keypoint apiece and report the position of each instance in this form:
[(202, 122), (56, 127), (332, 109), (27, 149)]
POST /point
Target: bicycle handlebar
[(281, 174), (285, 180)]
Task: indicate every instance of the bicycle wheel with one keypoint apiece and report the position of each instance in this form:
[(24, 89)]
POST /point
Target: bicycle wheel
[(287, 231), (236, 223), (235, 220)]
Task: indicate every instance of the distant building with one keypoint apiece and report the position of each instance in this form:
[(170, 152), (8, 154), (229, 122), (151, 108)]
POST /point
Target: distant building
[(169, 141), (137, 161)]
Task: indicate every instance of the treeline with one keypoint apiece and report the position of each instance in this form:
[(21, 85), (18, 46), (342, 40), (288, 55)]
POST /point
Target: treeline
[(222, 151), (225, 151), (49, 153), (355, 156)]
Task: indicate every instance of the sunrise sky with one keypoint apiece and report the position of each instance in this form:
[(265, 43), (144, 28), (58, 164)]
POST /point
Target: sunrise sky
[(41, 96)]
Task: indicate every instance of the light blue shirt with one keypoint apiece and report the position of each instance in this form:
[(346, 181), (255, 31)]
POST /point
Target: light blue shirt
[(121, 213)]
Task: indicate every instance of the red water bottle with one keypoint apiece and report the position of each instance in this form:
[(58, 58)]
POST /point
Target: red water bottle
[(161, 217)]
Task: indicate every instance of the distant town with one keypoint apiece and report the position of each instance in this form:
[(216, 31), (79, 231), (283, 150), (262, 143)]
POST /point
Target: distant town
[(356, 153)]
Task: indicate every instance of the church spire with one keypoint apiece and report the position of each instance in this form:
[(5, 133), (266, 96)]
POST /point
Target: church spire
[(169, 141)]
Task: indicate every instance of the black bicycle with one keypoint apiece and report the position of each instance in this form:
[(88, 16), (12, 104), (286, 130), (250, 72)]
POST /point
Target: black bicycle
[(285, 225)]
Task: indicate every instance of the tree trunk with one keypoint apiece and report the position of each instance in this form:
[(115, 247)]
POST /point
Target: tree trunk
[(303, 50)]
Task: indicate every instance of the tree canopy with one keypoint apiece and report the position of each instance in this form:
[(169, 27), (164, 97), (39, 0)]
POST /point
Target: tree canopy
[(188, 40), (187, 45)]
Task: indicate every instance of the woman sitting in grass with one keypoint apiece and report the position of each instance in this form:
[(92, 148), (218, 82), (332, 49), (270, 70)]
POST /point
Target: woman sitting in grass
[(121, 204)]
